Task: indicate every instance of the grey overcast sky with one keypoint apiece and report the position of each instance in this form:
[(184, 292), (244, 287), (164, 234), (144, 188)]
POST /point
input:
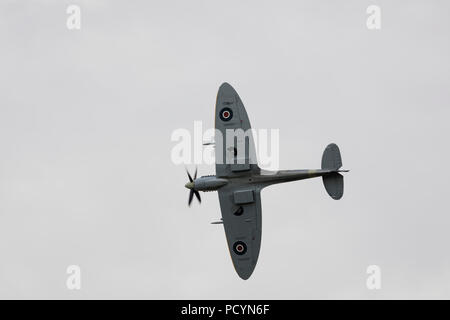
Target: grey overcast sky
[(86, 117)]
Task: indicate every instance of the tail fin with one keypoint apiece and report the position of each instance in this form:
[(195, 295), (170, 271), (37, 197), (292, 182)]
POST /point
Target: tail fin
[(333, 182), (331, 158)]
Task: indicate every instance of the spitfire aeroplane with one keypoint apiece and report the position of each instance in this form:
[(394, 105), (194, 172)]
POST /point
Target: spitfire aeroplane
[(239, 180)]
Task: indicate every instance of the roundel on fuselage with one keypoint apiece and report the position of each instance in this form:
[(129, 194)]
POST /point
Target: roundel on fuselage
[(239, 247), (226, 114)]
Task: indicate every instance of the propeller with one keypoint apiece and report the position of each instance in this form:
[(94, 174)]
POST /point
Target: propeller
[(190, 185)]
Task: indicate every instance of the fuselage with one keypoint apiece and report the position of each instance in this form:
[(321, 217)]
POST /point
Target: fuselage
[(262, 179)]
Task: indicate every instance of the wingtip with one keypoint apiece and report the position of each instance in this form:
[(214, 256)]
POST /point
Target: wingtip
[(244, 277), (226, 86), (245, 273)]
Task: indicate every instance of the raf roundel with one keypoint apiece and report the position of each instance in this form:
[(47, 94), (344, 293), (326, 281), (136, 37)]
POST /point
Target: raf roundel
[(226, 114), (240, 248)]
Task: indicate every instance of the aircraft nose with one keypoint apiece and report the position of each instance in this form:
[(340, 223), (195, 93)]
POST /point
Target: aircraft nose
[(189, 185)]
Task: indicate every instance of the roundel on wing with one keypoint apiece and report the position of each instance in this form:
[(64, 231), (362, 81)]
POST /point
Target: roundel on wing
[(239, 247), (226, 114)]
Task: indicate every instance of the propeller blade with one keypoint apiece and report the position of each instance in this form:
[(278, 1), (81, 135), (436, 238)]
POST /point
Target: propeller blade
[(198, 196), (191, 196), (191, 187)]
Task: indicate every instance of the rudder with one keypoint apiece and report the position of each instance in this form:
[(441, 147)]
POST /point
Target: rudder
[(333, 182)]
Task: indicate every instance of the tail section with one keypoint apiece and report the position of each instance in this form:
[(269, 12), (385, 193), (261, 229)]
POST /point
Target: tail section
[(333, 182)]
